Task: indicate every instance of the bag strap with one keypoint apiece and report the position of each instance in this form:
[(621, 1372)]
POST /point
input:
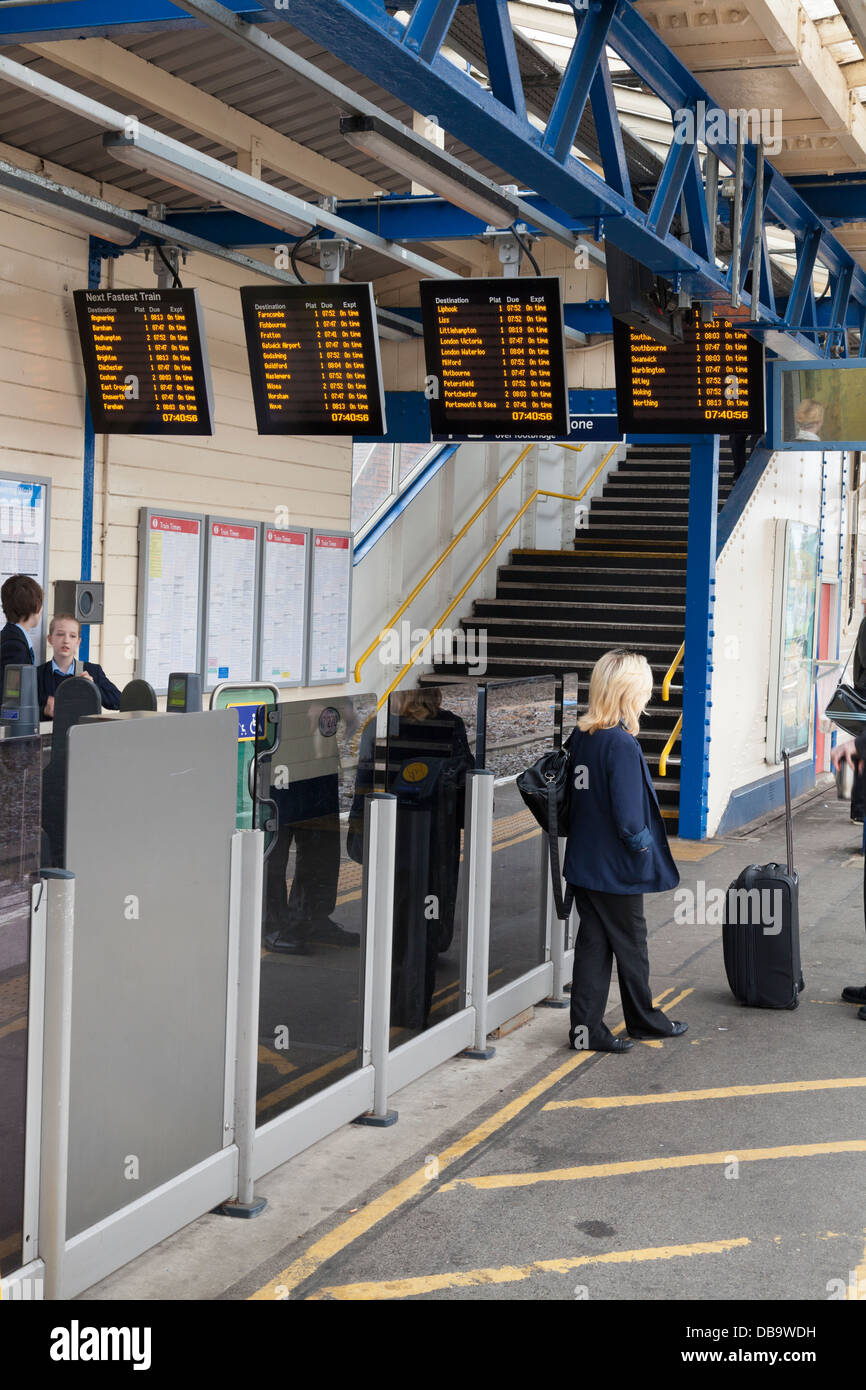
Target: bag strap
[(563, 904)]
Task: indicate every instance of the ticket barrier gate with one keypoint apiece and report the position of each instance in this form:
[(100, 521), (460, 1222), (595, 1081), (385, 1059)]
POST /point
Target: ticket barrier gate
[(138, 695)]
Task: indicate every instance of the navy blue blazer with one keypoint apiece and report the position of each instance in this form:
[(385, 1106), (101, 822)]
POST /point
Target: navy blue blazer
[(47, 680), (616, 839), (14, 649)]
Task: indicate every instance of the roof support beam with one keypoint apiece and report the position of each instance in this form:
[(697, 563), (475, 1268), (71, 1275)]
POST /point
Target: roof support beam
[(159, 91)]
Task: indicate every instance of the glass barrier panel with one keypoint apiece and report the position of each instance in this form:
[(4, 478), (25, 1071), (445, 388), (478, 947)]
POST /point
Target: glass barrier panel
[(311, 1006), (430, 749), (20, 814), (520, 725)]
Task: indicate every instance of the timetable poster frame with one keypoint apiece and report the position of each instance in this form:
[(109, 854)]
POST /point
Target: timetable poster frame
[(284, 297), (319, 534), (236, 678), (143, 671), (116, 421), (444, 426), (10, 484), (676, 420), (268, 538)]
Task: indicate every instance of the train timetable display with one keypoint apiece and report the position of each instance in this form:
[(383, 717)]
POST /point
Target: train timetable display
[(495, 353), (314, 359), (145, 361), (710, 383)]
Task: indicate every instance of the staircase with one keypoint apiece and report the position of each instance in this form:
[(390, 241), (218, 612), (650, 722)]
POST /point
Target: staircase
[(623, 585)]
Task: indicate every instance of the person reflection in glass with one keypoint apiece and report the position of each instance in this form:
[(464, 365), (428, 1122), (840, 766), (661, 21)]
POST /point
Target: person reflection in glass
[(309, 818), (428, 758)]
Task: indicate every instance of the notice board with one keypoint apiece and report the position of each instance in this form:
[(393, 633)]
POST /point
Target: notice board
[(330, 608), (170, 568), (231, 600), (284, 595), (24, 513), (145, 361)]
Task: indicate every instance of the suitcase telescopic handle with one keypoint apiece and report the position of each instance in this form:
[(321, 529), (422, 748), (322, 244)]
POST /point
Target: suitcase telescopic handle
[(789, 822)]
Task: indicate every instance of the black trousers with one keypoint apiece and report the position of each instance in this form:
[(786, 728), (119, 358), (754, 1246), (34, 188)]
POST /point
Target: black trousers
[(309, 818), (612, 924)]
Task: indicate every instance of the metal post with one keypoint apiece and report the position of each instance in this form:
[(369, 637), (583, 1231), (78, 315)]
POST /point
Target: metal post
[(758, 250), (248, 871), (711, 183), (380, 837), (698, 660), (478, 857), (737, 221), (59, 887)]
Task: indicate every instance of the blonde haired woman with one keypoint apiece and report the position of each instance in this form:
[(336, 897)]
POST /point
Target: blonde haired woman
[(616, 851)]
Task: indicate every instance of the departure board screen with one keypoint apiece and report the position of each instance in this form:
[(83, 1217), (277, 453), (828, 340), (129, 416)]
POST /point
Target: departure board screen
[(710, 383), (495, 353), (145, 361), (314, 359)]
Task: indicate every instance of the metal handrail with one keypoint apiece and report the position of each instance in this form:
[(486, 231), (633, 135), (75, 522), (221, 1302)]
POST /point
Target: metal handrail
[(575, 448), (663, 760), (666, 683), (442, 558), (539, 492)]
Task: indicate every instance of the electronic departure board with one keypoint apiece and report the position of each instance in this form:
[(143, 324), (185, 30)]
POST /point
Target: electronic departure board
[(710, 383), (314, 359), (495, 352), (145, 361)]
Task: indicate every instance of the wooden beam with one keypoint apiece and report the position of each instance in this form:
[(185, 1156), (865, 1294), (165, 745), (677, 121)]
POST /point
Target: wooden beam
[(159, 91)]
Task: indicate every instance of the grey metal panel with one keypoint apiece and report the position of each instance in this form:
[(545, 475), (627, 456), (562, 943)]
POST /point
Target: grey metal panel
[(150, 819), (519, 995), (120, 1238), (437, 1044)]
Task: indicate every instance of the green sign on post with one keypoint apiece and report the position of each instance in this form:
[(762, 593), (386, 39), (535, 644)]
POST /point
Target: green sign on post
[(256, 734)]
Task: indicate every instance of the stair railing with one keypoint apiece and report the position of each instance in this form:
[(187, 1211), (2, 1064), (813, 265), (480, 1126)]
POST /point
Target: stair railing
[(539, 492), (666, 695)]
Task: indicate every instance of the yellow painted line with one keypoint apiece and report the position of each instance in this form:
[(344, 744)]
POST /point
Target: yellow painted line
[(269, 1058), (857, 1285), (512, 1274), (363, 1221), (272, 1098), (839, 1083), (654, 1165), (13, 1027), (501, 844), (689, 850)]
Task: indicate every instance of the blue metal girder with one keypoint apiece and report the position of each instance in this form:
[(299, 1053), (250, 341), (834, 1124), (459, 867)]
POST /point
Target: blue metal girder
[(503, 67), (837, 198), (363, 34), (698, 658), (608, 130), (83, 19)]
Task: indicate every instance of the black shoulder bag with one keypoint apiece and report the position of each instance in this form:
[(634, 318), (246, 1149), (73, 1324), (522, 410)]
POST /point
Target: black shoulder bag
[(546, 790), (847, 707)]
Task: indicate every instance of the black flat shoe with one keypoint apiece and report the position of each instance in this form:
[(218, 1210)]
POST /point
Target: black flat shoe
[(611, 1045), (861, 1013), (677, 1030), (854, 994)]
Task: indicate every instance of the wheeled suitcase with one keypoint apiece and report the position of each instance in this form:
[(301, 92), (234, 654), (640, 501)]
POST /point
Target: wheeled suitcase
[(761, 934)]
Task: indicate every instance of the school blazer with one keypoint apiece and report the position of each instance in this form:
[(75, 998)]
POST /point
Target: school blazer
[(47, 681), (616, 839), (14, 649)]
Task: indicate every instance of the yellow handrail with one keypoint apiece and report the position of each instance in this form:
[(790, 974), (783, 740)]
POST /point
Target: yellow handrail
[(663, 760), (539, 492), (575, 448), (442, 558), (666, 683)]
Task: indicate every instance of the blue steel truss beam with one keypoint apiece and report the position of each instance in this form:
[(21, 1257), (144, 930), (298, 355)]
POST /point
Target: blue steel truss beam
[(87, 19), (365, 35)]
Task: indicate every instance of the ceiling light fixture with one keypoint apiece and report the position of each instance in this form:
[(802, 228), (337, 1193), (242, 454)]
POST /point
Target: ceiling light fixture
[(426, 164), (30, 192)]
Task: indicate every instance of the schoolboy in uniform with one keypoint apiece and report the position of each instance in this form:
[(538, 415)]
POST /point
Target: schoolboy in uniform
[(64, 637), (21, 598)]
